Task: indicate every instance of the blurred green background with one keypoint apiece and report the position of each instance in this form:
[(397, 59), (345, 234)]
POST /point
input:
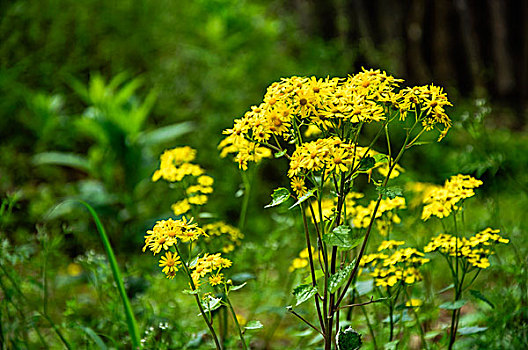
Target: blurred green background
[(91, 92)]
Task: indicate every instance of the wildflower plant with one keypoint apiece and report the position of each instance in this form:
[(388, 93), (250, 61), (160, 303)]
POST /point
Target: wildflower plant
[(465, 257), (176, 240), (395, 269), (321, 126)]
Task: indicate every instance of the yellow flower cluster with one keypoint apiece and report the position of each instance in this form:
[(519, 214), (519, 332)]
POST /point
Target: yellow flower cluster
[(164, 235), (442, 201), (209, 264), (397, 267), (302, 261), (175, 164), (325, 104), (475, 250), (361, 215), (221, 229)]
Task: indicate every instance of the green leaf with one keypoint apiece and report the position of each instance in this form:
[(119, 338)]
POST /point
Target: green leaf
[(318, 275), (279, 196), (166, 133), (446, 288), (367, 163), (254, 325), (453, 305), (191, 292), (303, 293), (64, 159), (308, 194), (391, 192), (97, 339), (211, 303), (380, 158), (393, 345), (471, 330), (477, 294), (348, 339), (234, 288), (340, 277), (364, 287), (281, 153), (343, 237)]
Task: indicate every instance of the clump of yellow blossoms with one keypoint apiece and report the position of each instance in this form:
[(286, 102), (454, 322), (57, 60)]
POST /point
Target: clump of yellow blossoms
[(209, 265), (302, 260), (442, 201), (475, 250), (221, 229), (397, 267), (176, 166), (165, 235), (298, 104)]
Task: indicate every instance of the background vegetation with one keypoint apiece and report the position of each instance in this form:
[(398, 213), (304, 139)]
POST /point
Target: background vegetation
[(93, 91)]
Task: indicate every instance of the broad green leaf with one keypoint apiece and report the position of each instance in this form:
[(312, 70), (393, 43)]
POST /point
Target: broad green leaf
[(166, 133), (211, 303), (367, 163), (304, 292), (453, 305), (281, 153), (301, 199), (242, 277), (279, 196), (390, 192), (348, 339), (254, 325), (471, 330), (343, 237), (393, 345), (364, 287), (64, 159), (477, 294), (340, 277)]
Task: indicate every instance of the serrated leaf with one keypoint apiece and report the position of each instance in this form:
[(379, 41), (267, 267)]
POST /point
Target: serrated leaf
[(364, 287), (367, 163), (348, 339), (471, 330), (211, 303), (390, 192), (301, 199), (254, 325), (191, 292), (234, 288), (343, 237), (303, 293), (477, 294), (453, 305), (279, 196), (281, 153), (380, 158), (340, 277)]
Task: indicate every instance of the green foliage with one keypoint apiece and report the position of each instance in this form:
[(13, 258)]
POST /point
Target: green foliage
[(344, 237), (303, 293), (348, 339), (279, 196)]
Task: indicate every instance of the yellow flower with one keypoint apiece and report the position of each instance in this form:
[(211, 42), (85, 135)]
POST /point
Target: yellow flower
[(297, 184), (170, 263)]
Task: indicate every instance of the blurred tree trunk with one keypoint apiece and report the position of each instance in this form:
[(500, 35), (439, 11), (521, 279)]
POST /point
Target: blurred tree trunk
[(417, 69), (471, 44), (504, 81), (441, 43)]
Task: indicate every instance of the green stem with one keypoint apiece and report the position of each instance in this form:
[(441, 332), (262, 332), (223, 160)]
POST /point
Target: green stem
[(130, 319), (422, 335), (245, 202), (198, 302), (236, 322)]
